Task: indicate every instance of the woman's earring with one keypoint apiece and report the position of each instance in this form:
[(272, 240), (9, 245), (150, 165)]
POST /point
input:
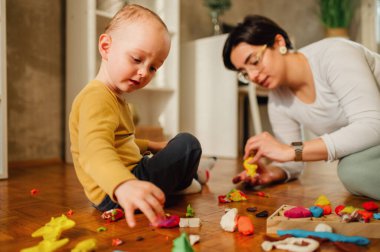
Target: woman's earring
[(283, 50)]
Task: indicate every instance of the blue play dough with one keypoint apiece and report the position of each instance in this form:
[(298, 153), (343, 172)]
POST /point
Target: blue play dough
[(359, 240), (376, 216), (316, 211)]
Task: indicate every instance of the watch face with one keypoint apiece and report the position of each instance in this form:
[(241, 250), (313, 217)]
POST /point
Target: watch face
[(297, 143), (298, 146)]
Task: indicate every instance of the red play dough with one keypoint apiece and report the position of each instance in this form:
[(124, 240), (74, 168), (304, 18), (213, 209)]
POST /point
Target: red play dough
[(338, 209), (370, 206), (297, 212)]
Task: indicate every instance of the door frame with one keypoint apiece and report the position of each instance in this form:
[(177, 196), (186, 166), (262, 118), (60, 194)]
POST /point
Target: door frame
[(3, 94)]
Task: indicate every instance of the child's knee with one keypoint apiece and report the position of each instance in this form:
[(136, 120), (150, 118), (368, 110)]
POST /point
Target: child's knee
[(190, 140)]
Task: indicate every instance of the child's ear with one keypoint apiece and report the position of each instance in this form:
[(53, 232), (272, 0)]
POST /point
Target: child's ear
[(104, 45)]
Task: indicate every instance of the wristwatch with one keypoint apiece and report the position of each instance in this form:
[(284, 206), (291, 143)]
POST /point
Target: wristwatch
[(298, 148)]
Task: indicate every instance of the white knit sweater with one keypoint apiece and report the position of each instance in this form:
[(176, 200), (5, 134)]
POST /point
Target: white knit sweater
[(346, 112)]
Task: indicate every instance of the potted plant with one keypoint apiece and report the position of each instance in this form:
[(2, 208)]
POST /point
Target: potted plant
[(217, 8), (336, 16)]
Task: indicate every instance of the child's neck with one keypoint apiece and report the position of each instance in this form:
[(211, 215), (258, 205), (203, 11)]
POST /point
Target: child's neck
[(102, 76)]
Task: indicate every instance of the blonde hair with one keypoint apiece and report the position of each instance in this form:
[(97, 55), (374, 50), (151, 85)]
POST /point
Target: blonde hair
[(132, 13)]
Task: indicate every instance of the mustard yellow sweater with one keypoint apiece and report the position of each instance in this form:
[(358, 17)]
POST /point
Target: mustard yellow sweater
[(103, 143)]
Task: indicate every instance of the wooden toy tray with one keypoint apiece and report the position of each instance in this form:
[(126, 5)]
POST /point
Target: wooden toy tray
[(277, 221)]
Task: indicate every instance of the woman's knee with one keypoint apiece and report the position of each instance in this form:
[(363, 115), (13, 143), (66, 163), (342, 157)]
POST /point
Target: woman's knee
[(348, 172), (360, 172)]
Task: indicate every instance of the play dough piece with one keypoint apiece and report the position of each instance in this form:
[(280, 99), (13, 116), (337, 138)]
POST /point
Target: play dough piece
[(182, 244), (250, 168), (228, 221), (245, 225), (297, 212), (322, 201), (370, 206)]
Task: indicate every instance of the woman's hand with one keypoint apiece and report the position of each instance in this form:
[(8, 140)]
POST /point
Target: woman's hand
[(265, 175), (265, 145)]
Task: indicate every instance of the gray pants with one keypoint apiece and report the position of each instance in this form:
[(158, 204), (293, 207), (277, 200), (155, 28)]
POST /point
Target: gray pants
[(360, 172)]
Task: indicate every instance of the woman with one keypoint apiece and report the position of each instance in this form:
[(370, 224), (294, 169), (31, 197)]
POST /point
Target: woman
[(330, 87)]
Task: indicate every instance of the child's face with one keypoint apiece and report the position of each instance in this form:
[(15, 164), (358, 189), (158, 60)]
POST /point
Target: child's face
[(136, 52)]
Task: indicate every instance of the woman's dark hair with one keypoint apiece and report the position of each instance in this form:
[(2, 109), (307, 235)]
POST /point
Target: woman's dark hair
[(254, 30)]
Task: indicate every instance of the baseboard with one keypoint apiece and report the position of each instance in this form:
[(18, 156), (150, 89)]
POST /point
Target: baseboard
[(34, 163)]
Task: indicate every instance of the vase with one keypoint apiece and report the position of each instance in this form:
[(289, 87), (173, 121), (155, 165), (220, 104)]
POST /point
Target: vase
[(337, 32), (215, 14)]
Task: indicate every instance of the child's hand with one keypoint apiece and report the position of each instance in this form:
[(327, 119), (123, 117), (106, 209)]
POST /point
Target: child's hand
[(143, 195), (155, 147)]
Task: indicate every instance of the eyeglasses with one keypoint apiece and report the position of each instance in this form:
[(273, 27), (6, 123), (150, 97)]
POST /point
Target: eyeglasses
[(252, 65)]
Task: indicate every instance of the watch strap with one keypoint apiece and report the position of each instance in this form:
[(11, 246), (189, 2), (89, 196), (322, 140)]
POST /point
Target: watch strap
[(298, 149)]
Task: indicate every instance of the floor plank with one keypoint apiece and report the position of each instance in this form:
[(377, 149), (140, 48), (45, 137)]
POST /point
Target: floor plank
[(59, 191)]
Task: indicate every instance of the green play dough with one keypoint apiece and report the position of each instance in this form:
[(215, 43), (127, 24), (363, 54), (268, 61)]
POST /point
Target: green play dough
[(182, 244)]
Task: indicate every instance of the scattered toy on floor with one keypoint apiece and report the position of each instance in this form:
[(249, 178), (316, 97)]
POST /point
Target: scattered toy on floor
[(101, 229), (182, 244), (233, 195), (262, 214), (116, 242), (194, 239), (251, 209), (189, 222), (70, 212), (292, 244), (139, 238), (113, 215), (86, 245), (47, 245), (51, 233), (228, 221), (189, 211), (34, 192), (262, 194), (169, 222), (52, 230), (245, 225)]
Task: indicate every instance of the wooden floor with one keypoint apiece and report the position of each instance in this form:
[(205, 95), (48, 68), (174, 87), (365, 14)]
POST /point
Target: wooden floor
[(60, 191)]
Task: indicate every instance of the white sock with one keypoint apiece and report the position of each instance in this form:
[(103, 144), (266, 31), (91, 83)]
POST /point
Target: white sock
[(204, 168), (194, 187)]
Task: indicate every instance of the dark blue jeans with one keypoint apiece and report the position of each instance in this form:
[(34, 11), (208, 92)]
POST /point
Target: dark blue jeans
[(171, 169)]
